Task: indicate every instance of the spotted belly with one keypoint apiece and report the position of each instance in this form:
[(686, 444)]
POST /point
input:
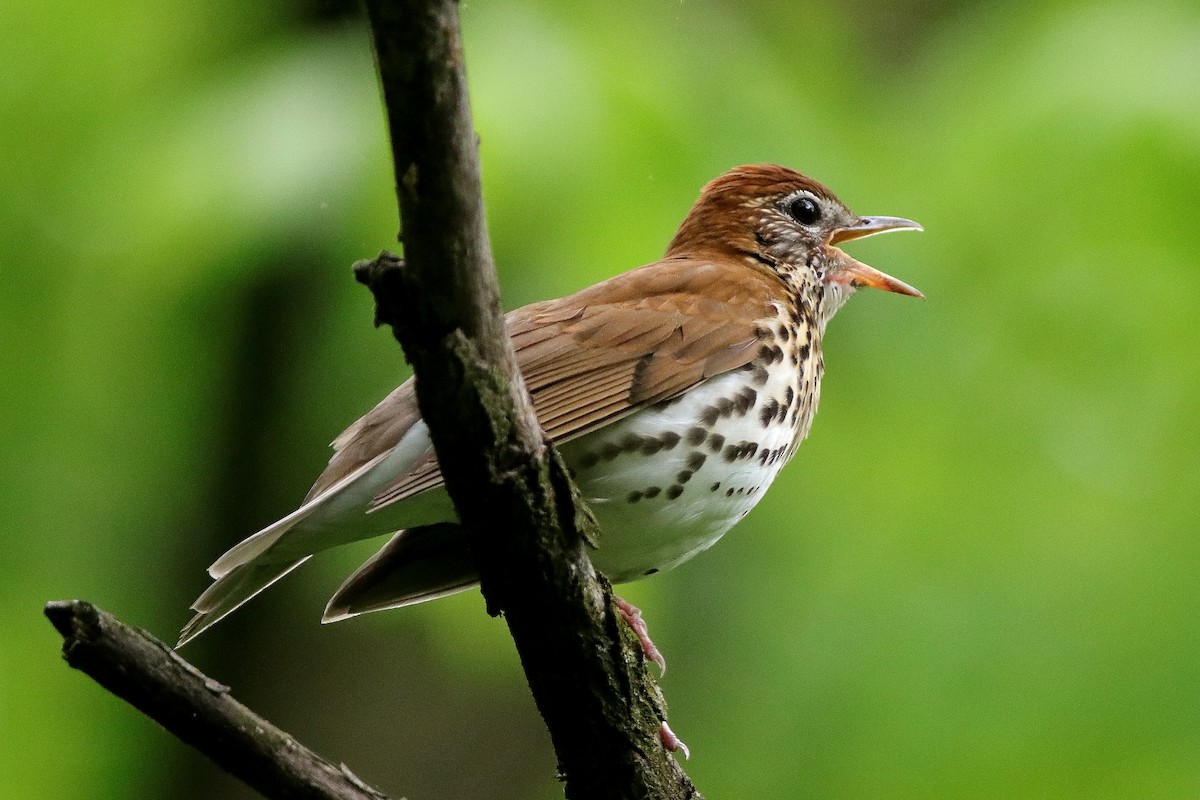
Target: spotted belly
[(668, 481)]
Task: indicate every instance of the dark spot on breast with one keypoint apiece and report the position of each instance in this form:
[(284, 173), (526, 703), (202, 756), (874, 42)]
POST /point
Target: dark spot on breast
[(744, 401), (768, 411), (633, 497), (785, 332), (609, 451), (715, 486), (650, 571), (588, 460), (769, 354), (684, 476), (651, 445), (674, 492), (708, 417), (729, 492), (762, 332), (740, 450), (760, 374), (696, 434), (669, 439), (716, 442), (805, 350), (696, 460), (651, 492), (789, 396), (724, 406)]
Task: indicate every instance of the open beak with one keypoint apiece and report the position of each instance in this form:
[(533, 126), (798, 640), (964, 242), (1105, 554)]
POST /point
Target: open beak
[(855, 273), (869, 226)]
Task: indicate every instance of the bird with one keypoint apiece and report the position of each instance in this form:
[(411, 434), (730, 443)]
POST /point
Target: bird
[(675, 393)]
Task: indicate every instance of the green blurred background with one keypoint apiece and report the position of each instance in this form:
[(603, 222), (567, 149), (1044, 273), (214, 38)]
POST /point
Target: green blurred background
[(977, 580)]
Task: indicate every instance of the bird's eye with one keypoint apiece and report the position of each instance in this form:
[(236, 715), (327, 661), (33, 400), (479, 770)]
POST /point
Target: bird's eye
[(804, 210)]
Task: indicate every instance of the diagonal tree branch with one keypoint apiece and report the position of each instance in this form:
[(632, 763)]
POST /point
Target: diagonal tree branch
[(512, 492), (148, 675)]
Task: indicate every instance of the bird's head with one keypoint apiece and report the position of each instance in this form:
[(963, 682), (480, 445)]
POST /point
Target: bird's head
[(778, 219)]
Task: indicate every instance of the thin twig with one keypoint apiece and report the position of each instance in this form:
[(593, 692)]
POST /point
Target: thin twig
[(150, 676)]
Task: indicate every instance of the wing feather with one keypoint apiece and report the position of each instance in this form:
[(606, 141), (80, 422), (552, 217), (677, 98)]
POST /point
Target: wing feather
[(596, 356)]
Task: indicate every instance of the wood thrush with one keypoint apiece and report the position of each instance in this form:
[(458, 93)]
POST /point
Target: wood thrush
[(676, 392)]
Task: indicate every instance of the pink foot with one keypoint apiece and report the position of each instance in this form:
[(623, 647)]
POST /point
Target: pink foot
[(672, 742), (633, 616)]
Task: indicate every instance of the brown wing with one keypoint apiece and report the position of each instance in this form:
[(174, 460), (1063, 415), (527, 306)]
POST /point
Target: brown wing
[(378, 431), (591, 358)]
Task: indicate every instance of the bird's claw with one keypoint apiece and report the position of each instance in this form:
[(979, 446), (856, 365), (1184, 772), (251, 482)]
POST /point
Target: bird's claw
[(633, 616), (672, 742)]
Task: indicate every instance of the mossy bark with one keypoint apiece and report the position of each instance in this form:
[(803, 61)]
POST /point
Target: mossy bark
[(514, 497)]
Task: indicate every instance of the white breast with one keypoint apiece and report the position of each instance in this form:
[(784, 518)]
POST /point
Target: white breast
[(667, 482)]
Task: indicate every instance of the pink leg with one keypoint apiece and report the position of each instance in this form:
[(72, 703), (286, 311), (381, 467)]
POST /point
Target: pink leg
[(633, 616), (672, 742)]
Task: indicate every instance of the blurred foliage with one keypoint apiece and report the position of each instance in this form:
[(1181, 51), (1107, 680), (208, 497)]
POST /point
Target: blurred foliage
[(979, 577)]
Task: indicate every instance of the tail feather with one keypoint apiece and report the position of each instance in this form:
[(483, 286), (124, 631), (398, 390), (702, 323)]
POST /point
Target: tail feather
[(335, 515), (416, 565), (258, 561), (229, 592), (257, 546)]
